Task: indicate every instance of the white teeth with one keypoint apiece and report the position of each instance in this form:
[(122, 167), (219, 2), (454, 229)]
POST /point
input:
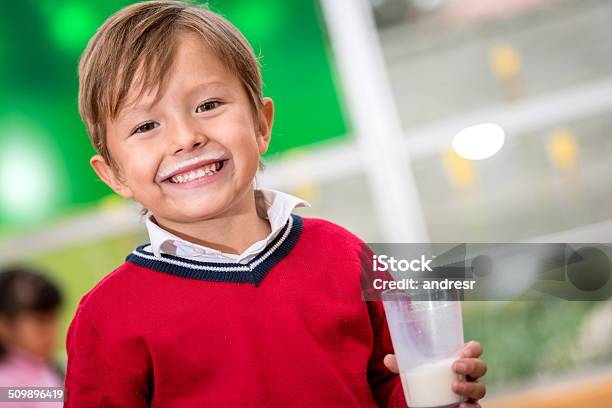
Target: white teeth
[(205, 171), (207, 156)]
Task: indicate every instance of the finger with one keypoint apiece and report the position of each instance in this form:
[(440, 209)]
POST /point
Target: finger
[(473, 390), (391, 363), (472, 367), (472, 349)]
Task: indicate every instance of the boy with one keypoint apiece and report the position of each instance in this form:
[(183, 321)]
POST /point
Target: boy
[(236, 301)]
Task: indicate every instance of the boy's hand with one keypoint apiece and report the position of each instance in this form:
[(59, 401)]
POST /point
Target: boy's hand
[(468, 365)]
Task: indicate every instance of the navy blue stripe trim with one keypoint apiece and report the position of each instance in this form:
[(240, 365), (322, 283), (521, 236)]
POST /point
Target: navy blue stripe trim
[(252, 272)]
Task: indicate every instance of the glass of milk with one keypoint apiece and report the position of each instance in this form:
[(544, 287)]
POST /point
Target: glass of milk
[(427, 333)]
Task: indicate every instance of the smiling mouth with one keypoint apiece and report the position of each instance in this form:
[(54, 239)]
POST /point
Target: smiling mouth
[(197, 173)]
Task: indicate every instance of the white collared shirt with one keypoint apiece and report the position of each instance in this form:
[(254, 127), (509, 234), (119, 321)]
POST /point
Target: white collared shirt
[(279, 208)]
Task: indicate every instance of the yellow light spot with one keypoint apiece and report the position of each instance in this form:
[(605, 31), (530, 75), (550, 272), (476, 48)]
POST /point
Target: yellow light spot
[(505, 62), (460, 172), (563, 149)]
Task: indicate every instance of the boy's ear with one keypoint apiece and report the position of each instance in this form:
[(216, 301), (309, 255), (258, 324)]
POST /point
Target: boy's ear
[(264, 130), (108, 176)]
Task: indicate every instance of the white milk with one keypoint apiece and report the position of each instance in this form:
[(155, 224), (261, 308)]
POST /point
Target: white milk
[(429, 385)]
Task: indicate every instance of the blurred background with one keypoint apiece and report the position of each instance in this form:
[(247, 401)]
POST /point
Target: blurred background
[(369, 96)]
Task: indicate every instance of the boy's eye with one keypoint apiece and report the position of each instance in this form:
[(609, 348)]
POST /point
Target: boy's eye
[(145, 127), (206, 106)]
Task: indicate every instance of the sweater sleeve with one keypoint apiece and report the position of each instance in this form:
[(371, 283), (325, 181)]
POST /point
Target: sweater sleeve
[(103, 368), (386, 386)]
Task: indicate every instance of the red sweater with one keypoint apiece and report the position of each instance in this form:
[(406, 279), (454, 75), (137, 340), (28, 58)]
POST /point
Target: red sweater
[(288, 329)]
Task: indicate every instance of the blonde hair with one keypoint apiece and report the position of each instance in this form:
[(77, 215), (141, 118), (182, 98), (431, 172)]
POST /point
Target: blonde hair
[(135, 48)]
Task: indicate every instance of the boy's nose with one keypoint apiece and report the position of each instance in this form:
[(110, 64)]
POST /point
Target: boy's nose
[(185, 137), (188, 148)]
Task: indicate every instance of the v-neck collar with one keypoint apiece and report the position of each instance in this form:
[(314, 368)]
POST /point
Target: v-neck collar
[(252, 272)]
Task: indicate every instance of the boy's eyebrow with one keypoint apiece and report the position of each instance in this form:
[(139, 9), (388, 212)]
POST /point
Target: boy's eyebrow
[(205, 85)]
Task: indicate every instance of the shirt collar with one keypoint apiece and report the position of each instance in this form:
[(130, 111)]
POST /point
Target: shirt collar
[(276, 204)]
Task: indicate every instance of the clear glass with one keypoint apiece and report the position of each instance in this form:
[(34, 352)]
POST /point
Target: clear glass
[(427, 334)]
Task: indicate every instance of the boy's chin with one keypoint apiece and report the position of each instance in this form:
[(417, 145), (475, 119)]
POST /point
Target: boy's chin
[(189, 214), (200, 207)]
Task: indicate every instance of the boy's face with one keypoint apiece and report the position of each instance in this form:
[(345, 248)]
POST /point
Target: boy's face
[(194, 153)]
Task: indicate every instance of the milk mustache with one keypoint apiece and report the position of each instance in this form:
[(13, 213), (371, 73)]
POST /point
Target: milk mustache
[(429, 385)]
